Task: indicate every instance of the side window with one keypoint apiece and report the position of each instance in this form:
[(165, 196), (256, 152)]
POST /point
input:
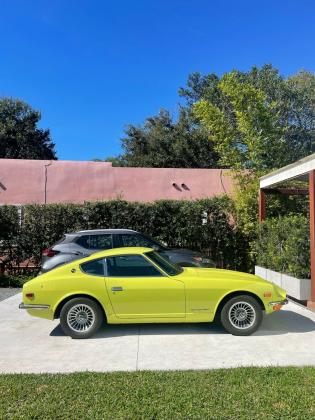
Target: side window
[(94, 267), (83, 241), (95, 241), (135, 240), (100, 242), (130, 266)]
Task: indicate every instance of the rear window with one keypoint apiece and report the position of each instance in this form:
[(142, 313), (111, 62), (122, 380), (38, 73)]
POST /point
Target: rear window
[(94, 268)]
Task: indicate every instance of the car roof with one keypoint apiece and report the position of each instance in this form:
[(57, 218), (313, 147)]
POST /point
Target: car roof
[(101, 254), (100, 231), (119, 251)]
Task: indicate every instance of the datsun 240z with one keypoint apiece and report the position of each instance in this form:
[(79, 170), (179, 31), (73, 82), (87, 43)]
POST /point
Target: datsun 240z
[(138, 285)]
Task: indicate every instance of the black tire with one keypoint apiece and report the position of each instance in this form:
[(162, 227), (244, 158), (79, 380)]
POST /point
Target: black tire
[(81, 317), (247, 307)]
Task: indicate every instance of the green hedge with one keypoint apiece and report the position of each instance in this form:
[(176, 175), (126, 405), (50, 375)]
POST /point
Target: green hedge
[(14, 281), (283, 245), (204, 225)]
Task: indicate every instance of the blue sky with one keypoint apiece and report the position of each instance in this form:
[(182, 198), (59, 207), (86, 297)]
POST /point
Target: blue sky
[(93, 66)]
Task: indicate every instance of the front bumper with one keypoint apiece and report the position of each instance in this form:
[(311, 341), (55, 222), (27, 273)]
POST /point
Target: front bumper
[(277, 305), (33, 306), (279, 302)]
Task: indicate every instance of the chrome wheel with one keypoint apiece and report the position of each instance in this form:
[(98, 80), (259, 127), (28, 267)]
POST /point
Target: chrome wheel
[(80, 317), (242, 315)]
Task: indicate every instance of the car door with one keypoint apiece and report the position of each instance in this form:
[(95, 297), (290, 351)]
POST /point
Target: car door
[(137, 289)]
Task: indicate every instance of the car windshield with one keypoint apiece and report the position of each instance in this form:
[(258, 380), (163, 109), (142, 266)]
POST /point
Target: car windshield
[(169, 268)]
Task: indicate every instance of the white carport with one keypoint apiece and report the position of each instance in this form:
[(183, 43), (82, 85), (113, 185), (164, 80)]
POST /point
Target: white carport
[(274, 182)]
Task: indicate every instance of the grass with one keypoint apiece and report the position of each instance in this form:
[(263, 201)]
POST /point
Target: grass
[(243, 393)]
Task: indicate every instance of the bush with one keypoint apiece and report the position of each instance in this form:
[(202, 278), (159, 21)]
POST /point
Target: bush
[(14, 281), (204, 225), (283, 245)]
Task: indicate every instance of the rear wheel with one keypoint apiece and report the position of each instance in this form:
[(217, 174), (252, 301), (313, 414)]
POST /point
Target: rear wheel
[(81, 317), (241, 315)]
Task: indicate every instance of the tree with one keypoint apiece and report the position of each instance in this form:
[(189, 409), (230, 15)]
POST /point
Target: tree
[(301, 113), (162, 142), (253, 138), (291, 102), (250, 139), (115, 160), (258, 121), (20, 138), (262, 113)]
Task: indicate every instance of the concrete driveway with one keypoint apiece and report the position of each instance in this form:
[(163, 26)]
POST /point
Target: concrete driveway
[(33, 345)]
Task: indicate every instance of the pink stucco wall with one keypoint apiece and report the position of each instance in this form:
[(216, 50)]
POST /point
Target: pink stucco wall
[(37, 181)]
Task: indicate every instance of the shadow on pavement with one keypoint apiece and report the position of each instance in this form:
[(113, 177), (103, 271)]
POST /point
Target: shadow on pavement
[(149, 329), (282, 322)]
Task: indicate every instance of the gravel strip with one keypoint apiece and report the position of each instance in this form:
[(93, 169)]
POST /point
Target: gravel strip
[(6, 292)]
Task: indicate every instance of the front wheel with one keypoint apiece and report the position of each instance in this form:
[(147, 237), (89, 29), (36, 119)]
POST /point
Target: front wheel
[(81, 317), (241, 315)]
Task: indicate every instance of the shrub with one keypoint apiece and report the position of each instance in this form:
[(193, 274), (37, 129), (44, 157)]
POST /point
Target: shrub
[(14, 281), (283, 245), (204, 225)]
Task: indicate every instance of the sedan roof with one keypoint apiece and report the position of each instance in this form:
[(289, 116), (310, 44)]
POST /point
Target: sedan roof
[(100, 231)]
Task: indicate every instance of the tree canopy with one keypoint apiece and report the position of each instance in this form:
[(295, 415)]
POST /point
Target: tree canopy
[(162, 142), (20, 137), (256, 119), (250, 137)]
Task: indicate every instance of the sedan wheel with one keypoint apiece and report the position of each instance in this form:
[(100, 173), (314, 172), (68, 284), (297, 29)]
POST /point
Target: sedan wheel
[(241, 315), (81, 317)]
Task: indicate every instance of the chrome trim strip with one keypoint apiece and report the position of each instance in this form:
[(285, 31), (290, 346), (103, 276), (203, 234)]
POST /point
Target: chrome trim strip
[(33, 306), (279, 302)]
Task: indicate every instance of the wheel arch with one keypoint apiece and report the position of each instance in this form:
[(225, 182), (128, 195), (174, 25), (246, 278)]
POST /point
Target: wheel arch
[(77, 295), (230, 295)]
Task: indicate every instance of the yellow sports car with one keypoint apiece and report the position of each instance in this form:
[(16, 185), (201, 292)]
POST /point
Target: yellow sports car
[(137, 285)]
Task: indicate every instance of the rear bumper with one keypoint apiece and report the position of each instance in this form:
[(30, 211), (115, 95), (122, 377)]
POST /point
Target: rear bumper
[(33, 306)]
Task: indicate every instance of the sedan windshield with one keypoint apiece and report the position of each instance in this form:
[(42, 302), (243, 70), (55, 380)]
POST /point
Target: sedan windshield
[(169, 268)]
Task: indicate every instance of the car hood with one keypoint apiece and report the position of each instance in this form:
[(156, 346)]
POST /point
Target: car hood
[(219, 273)]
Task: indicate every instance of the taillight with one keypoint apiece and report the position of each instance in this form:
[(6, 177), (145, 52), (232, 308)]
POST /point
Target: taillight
[(30, 295), (49, 252)]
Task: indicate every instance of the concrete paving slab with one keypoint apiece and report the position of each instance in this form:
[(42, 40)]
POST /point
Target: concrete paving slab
[(6, 292), (33, 345), (36, 345)]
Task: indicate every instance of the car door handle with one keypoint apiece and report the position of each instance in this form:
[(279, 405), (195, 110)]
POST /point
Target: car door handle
[(117, 289)]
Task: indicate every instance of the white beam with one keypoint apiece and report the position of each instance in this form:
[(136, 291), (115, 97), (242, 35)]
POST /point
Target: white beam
[(296, 169)]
